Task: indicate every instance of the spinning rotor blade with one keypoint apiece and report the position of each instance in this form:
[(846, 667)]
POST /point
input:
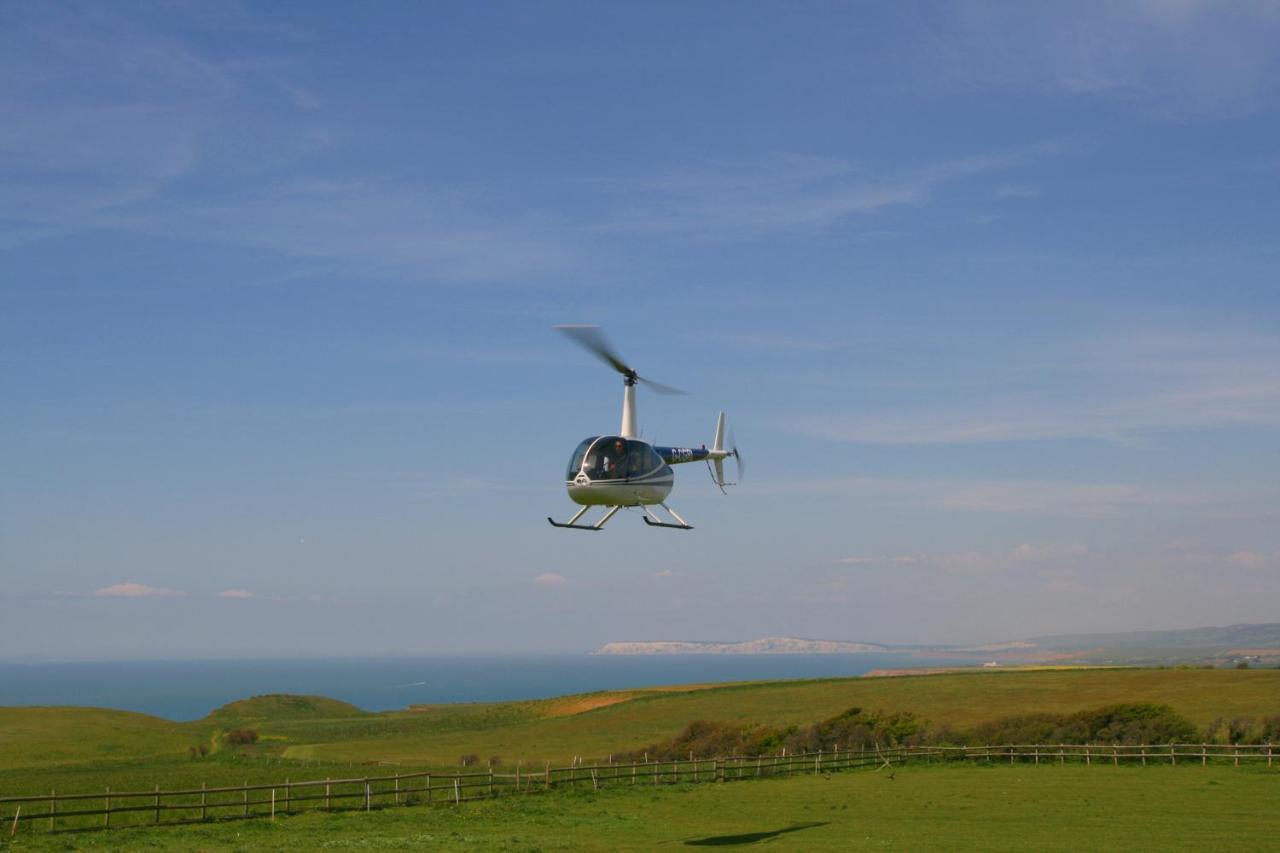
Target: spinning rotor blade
[(593, 341), (737, 457), (659, 387)]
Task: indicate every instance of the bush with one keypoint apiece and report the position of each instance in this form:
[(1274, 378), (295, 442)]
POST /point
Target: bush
[(242, 737), (469, 759)]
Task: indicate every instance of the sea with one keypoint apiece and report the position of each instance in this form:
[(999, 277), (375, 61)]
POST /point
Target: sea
[(189, 690)]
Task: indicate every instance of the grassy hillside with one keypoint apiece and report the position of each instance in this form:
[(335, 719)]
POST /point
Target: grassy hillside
[(86, 749), (598, 724), (38, 735)]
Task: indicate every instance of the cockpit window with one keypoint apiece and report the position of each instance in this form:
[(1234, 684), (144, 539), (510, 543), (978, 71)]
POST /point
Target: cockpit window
[(607, 459), (575, 461), (611, 457)]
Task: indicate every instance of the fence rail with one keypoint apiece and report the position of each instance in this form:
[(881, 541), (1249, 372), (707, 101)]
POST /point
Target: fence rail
[(69, 811)]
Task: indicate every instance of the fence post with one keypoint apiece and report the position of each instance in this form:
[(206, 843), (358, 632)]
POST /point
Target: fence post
[(157, 805), (288, 796), (106, 809), (396, 799), (1144, 755), (457, 790), (1088, 759), (1268, 755), (1204, 754), (53, 806), (204, 802), (491, 779), (13, 830), (1173, 759), (245, 793), (273, 803), (366, 794), (1237, 756), (547, 774), (1115, 757), (326, 794)]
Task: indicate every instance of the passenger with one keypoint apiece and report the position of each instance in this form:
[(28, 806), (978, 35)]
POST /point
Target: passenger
[(615, 461)]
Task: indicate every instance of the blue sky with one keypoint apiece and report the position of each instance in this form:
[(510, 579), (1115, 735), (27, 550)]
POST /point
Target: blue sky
[(989, 292)]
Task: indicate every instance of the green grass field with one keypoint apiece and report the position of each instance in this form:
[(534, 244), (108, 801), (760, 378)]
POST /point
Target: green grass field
[(919, 807)]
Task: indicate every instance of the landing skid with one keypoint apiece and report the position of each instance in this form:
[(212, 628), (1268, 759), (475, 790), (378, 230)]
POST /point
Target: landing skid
[(649, 518)]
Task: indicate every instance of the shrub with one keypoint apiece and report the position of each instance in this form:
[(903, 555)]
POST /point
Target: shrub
[(242, 737), (469, 759)]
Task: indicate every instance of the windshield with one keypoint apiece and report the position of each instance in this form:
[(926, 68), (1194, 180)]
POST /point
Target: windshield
[(575, 461), (614, 458)]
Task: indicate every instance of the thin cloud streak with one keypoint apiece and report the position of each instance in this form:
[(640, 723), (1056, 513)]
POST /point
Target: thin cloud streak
[(1037, 497), (786, 192), (1121, 390)]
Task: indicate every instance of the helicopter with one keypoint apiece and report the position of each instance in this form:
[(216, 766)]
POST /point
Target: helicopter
[(617, 471)]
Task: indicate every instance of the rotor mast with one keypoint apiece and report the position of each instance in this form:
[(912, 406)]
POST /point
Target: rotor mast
[(628, 429)]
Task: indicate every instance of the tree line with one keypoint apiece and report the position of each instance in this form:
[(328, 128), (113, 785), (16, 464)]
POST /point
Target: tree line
[(857, 728)]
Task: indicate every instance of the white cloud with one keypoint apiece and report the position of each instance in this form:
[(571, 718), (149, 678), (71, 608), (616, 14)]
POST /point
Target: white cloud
[(1250, 559), (136, 590), (665, 573), (550, 579), (236, 593)]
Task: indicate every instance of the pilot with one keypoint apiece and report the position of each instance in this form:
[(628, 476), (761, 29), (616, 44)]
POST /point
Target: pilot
[(615, 461)]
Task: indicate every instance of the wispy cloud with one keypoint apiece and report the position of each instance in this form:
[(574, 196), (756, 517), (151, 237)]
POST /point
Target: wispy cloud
[(1038, 497), (1119, 388), (136, 590), (786, 192), (119, 124), (977, 562), (1187, 58), (236, 593), (550, 579)]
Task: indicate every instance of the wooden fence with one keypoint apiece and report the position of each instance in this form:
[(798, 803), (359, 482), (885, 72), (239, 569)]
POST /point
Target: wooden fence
[(86, 810)]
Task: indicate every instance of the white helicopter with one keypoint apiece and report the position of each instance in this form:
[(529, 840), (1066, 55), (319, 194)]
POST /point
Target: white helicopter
[(617, 471)]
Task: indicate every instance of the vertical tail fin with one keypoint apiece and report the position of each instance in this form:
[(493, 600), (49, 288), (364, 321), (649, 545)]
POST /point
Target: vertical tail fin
[(718, 445)]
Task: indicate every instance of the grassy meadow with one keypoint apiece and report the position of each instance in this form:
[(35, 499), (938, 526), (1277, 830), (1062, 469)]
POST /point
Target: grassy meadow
[(918, 807)]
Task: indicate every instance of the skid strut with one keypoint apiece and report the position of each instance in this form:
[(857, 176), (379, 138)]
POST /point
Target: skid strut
[(653, 521), (649, 518), (573, 525)]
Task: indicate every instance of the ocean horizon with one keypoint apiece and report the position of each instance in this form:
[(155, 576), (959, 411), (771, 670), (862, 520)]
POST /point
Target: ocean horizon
[(189, 690)]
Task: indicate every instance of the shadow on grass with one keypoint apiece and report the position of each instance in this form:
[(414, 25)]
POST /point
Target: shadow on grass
[(747, 837)]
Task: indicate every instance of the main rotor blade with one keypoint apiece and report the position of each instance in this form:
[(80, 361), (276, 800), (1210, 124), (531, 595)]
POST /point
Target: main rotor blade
[(659, 387), (737, 457), (593, 341)]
